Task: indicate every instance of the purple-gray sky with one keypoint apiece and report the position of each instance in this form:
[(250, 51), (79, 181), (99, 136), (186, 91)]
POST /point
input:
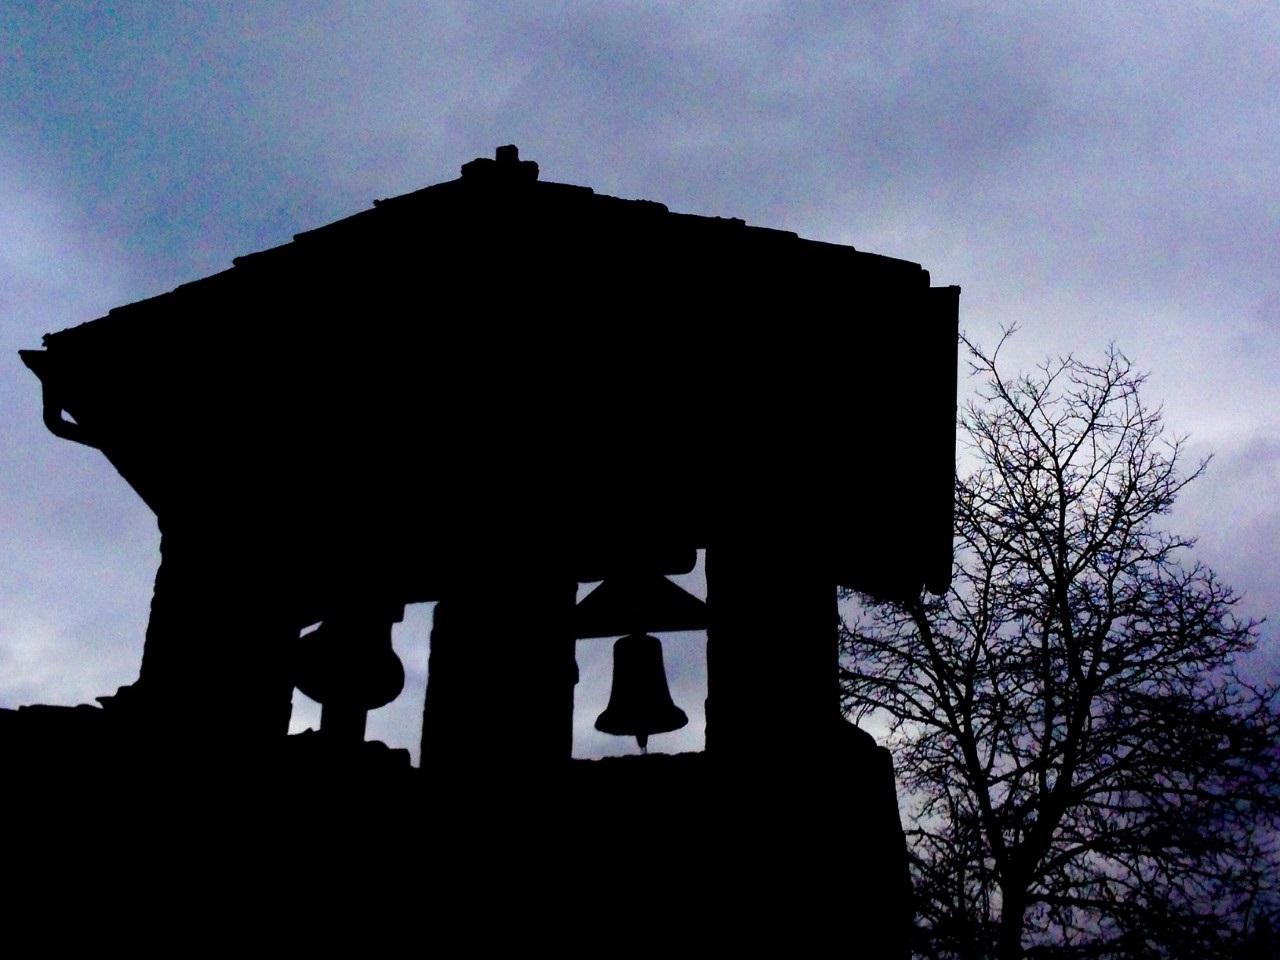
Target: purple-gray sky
[(1091, 172)]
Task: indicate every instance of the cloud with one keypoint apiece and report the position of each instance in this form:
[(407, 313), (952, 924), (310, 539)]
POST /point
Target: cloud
[(1093, 175), (1234, 510), (77, 549)]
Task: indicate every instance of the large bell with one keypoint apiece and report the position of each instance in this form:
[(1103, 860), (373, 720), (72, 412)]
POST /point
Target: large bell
[(639, 702)]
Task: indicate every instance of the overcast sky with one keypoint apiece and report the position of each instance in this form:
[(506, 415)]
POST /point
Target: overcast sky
[(1090, 172)]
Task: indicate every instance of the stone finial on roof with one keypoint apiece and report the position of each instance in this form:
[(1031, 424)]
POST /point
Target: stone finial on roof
[(506, 164)]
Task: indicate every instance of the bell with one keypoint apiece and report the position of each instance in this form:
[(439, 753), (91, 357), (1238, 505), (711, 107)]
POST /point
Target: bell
[(350, 668), (639, 702), (637, 602)]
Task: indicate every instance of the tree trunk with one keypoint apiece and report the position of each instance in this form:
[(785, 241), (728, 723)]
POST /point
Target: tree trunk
[(1013, 908)]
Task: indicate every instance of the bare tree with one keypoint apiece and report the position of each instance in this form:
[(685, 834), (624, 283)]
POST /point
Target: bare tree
[(1087, 773)]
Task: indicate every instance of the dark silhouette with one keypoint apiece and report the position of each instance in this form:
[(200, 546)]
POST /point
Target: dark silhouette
[(640, 701), (349, 667), (482, 394)]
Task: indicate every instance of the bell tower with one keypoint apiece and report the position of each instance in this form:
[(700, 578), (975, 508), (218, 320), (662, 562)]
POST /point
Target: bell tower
[(482, 394)]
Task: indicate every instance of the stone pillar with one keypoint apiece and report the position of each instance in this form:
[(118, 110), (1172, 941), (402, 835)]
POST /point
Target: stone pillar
[(772, 677), (500, 678), (215, 665), (801, 796)]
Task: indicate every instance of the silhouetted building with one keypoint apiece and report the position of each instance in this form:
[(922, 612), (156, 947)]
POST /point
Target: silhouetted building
[(492, 389)]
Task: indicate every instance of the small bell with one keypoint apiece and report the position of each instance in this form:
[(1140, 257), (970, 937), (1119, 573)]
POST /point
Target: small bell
[(350, 668), (640, 702)]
